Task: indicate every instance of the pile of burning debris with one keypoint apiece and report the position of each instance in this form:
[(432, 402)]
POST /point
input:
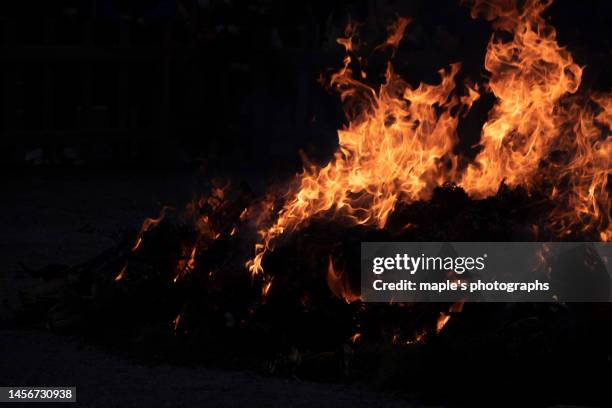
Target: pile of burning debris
[(164, 297), (190, 288)]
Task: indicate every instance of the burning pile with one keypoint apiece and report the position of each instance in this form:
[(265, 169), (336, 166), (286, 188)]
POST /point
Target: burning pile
[(399, 142), (539, 135), (541, 172)]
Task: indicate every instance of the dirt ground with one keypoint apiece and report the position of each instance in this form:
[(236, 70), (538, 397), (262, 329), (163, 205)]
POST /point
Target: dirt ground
[(103, 380)]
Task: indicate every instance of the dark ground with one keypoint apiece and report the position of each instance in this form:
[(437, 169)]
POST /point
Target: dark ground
[(103, 380), (51, 216), (66, 217)]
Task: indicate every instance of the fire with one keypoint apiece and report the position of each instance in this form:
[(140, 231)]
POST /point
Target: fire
[(397, 146), (147, 225), (444, 317), (396, 33), (206, 229), (419, 338), (186, 266), (544, 134), (121, 273), (442, 320), (585, 203), (528, 76), (265, 288), (534, 120), (398, 143), (339, 285), (244, 214), (456, 307)]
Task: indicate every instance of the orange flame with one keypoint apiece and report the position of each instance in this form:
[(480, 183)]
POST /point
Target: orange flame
[(396, 33), (349, 32), (396, 147), (265, 288), (147, 225), (121, 273), (398, 143), (443, 318), (339, 285), (533, 119), (419, 338), (186, 266)]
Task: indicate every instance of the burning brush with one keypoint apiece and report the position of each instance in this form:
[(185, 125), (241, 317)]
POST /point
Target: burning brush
[(541, 173), (545, 139)]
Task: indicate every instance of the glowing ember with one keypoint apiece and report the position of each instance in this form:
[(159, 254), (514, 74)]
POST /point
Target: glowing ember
[(442, 320), (418, 338), (147, 225), (185, 266), (121, 273), (176, 322), (339, 285), (456, 307), (265, 288)]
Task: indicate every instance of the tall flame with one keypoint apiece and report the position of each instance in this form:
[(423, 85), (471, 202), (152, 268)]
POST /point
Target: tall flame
[(534, 120), (397, 146)]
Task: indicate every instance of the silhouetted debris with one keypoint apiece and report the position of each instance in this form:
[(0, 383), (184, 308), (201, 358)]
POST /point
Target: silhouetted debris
[(215, 313)]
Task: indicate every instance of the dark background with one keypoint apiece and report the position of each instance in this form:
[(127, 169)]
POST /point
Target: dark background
[(112, 108), (171, 83)]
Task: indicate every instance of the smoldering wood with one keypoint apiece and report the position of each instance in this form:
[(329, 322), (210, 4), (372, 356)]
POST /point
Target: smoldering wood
[(215, 314)]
